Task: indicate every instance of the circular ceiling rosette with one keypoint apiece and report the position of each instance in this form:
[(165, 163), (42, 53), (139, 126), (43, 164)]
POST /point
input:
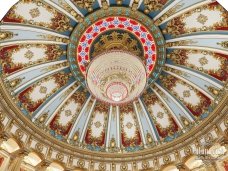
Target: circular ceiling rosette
[(114, 77)]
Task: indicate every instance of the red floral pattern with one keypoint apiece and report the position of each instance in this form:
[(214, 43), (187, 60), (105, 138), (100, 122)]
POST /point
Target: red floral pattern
[(54, 125), (121, 23)]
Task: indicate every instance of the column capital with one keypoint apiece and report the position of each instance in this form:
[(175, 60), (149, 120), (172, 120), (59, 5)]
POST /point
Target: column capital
[(16, 160), (182, 167), (3, 136), (43, 165), (46, 163), (22, 152), (68, 169)]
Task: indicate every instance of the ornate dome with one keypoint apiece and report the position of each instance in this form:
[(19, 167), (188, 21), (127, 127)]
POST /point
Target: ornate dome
[(115, 82)]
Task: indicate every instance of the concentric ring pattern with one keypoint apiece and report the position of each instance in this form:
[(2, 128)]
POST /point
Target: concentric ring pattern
[(116, 77), (46, 47)]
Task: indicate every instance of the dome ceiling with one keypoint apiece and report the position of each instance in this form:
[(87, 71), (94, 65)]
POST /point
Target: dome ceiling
[(114, 76)]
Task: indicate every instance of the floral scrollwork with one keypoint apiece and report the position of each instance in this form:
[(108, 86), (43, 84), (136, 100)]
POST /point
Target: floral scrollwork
[(153, 5), (223, 44), (85, 4)]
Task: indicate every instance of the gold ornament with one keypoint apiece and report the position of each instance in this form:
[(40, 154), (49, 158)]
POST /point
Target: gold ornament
[(19, 134), (85, 4), (223, 44), (5, 35), (213, 90), (39, 147), (149, 138), (76, 136), (59, 156), (185, 121), (152, 5), (81, 163), (43, 118), (113, 143), (120, 41), (102, 167), (15, 82)]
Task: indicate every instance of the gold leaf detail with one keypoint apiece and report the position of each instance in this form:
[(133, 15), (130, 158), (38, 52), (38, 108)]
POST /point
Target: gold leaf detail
[(34, 12), (223, 44), (5, 35), (203, 61), (186, 93), (29, 54), (68, 113), (120, 41), (43, 90), (160, 115), (202, 19), (97, 124), (129, 125)]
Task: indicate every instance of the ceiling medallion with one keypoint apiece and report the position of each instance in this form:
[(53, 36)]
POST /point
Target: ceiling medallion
[(119, 29), (116, 77)]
